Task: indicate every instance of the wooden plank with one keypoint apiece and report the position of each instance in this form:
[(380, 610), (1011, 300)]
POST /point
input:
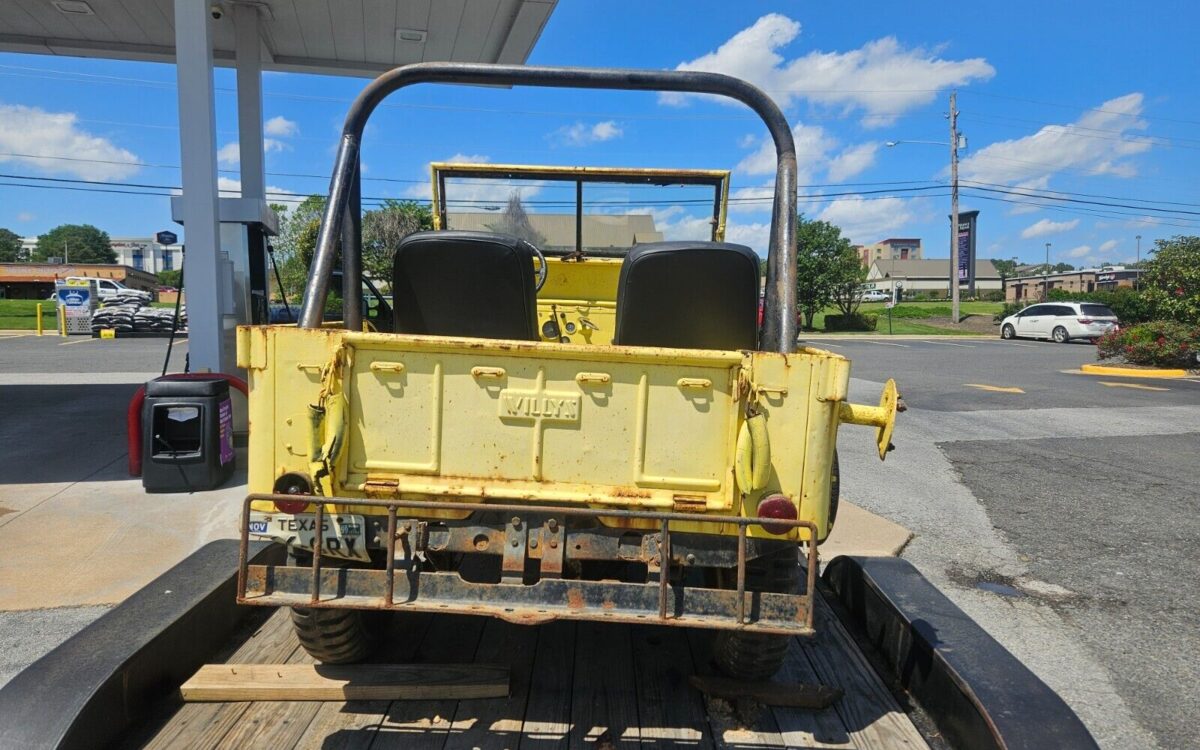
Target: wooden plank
[(204, 724), (219, 683), (417, 725), (547, 721), (353, 725), (271, 723), (670, 713), (790, 694), (496, 724), (603, 696), (868, 710), (817, 729), (728, 729)]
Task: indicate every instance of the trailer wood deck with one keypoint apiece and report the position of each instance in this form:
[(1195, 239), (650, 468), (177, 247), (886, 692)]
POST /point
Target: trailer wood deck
[(574, 685)]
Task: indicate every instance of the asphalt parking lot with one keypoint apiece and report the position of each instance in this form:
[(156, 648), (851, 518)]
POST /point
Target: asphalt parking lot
[(1058, 509)]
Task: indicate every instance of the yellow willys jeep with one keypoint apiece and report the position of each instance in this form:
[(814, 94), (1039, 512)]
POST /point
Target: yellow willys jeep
[(629, 444)]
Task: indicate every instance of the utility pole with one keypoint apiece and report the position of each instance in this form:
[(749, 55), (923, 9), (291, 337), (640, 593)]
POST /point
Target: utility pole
[(954, 207), (1046, 278), (66, 253), (1137, 275)]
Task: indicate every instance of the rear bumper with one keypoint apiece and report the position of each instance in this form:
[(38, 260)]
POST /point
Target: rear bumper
[(536, 549)]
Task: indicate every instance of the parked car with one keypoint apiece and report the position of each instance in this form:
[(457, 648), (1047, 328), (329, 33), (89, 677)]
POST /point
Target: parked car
[(875, 295), (1060, 321)]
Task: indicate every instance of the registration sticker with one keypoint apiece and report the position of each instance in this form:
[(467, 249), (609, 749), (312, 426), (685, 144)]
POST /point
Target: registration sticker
[(342, 534)]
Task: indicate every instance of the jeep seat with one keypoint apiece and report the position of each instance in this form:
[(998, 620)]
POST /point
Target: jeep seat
[(688, 295), (459, 283)]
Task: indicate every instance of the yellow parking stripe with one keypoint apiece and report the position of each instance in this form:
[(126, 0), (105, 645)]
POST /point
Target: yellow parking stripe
[(995, 388), (78, 341), (1138, 386)]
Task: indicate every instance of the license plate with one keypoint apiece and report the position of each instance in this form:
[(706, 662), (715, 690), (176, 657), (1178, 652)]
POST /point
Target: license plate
[(342, 535)]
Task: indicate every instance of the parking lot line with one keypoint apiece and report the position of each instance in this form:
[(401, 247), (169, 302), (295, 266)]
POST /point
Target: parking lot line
[(886, 343), (995, 388), (1014, 343), (78, 341), (1138, 386), (949, 343)]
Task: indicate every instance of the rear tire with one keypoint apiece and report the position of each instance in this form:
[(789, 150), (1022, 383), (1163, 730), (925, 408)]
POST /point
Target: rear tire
[(1060, 335), (757, 656), (332, 636), (1008, 332)]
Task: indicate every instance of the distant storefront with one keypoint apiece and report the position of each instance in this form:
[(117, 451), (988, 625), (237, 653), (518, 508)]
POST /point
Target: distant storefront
[(36, 280), (1033, 288)]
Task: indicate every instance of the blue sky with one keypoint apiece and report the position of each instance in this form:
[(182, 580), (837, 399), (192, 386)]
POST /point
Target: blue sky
[(1100, 108)]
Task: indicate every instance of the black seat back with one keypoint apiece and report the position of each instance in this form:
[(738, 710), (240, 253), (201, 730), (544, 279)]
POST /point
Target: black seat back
[(456, 283), (688, 295)]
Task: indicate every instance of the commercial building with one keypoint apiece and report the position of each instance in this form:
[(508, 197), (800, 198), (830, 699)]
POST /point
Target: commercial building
[(1033, 288), (141, 253), (36, 280), (925, 276), (895, 248)]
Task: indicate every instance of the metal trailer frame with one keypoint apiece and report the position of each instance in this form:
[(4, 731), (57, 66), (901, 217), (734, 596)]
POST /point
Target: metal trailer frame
[(342, 219), (98, 685)]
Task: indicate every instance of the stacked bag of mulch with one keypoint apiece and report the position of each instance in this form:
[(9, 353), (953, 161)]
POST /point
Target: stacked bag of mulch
[(117, 317), (157, 319), (129, 297)]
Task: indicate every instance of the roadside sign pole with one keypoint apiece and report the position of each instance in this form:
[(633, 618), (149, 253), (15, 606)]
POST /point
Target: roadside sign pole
[(39, 318)]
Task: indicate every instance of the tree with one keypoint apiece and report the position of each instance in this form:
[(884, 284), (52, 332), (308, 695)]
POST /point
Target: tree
[(10, 246), (171, 278), (821, 266), (515, 222), (1171, 279), (297, 241), (76, 243), (382, 230), (1006, 268), (1061, 268), (848, 276)]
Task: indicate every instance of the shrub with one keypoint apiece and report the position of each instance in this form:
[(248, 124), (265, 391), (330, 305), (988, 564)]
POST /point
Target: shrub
[(1008, 309), (1161, 343), (914, 310), (856, 322)]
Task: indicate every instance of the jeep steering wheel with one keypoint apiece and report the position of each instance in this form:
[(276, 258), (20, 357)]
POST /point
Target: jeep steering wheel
[(543, 270)]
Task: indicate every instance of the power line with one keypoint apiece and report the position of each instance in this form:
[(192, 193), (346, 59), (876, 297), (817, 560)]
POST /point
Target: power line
[(1077, 107)]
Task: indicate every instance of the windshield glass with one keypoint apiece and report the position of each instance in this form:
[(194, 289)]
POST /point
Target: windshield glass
[(599, 215)]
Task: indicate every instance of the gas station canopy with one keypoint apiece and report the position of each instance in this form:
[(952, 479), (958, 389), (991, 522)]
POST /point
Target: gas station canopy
[(224, 266), (333, 37)]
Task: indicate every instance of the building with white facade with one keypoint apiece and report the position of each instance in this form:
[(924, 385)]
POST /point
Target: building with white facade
[(140, 253)]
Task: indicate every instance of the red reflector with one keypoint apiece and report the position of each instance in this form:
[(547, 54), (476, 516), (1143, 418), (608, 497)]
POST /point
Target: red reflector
[(291, 506), (777, 506), (292, 484)]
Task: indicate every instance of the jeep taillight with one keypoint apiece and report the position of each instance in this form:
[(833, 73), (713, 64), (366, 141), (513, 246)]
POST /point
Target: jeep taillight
[(778, 507), (292, 484)]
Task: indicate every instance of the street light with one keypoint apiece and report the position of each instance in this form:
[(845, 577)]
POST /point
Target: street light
[(1137, 269), (1046, 277), (956, 141)]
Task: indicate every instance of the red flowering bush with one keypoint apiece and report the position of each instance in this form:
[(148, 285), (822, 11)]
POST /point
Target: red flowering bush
[(1160, 343)]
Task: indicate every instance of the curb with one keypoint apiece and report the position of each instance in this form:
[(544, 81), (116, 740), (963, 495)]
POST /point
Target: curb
[(1131, 372), (898, 336)]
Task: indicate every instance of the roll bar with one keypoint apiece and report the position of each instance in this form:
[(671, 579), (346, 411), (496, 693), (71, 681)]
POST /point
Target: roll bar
[(343, 212)]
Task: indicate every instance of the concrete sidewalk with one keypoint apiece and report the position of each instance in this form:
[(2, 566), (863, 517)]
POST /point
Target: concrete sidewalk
[(858, 531)]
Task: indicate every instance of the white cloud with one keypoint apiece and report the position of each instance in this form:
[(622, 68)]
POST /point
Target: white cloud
[(582, 134), (281, 127), (230, 154), (752, 199), (853, 161), (676, 224), (1107, 246), (813, 146), (1031, 161), (755, 235), (747, 140), (1045, 227), (882, 78), (26, 216), (1078, 252), (474, 194), (38, 133), (862, 220)]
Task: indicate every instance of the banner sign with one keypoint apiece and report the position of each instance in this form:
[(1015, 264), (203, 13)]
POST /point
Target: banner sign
[(965, 248)]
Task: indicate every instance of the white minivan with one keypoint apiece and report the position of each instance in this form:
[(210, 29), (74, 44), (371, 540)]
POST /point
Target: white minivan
[(1060, 321)]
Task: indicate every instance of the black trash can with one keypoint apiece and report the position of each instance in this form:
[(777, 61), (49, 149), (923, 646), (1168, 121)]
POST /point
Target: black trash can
[(187, 435)]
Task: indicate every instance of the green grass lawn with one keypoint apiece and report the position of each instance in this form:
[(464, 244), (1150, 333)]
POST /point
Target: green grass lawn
[(21, 314), (909, 317)]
